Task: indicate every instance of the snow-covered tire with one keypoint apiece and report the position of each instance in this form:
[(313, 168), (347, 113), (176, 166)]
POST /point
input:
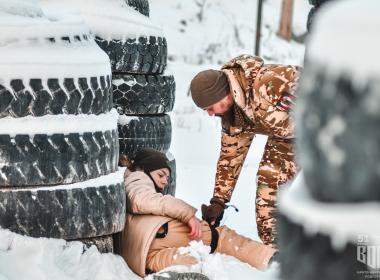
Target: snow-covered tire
[(63, 211), (338, 135), (144, 132), (313, 257), (73, 96), (142, 55), (170, 189), (142, 6), (173, 275), (43, 159), (104, 244), (143, 94)]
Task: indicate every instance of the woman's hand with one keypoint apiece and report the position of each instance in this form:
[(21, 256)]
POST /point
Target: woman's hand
[(195, 227)]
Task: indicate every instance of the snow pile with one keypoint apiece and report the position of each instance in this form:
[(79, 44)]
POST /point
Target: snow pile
[(48, 258), (218, 266), (108, 19), (343, 222), (344, 53), (26, 258)]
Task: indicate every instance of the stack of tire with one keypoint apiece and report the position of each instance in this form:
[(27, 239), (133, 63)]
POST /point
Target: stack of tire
[(143, 93), (329, 219), (59, 176)]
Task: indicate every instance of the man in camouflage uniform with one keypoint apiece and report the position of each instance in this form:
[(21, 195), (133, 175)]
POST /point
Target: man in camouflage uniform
[(251, 98)]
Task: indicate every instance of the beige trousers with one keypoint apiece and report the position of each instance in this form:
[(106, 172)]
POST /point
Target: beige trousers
[(164, 252), (277, 167)]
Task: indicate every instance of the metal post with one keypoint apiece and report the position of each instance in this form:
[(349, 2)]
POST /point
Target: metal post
[(258, 27)]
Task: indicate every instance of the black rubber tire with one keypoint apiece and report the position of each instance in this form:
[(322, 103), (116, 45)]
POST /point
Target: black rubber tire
[(310, 17), (173, 275), (67, 213), (317, 3), (170, 189), (338, 136), (57, 159), (104, 244), (143, 55), (143, 94), (145, 132), (142, 6), (313, 257), (33, 98)]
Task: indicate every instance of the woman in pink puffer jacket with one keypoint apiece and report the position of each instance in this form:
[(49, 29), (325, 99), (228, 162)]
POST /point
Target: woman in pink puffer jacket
[(157, 225)]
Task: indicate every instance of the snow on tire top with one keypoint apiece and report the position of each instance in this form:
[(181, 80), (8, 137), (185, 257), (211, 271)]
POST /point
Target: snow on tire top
[(109, 19), (19, 27), (28, 8), (58, 124), (344, 37), (342, 222), (105, 180), (49, 46), (124, 119)]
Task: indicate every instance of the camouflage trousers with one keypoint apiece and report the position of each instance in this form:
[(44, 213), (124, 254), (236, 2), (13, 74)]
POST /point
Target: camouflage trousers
[(276, 168)]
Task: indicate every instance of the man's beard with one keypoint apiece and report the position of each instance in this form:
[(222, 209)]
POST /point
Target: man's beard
[(225, 113)]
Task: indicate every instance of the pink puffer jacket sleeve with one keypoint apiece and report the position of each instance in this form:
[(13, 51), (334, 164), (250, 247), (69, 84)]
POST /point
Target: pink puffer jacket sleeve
[(142, 198)]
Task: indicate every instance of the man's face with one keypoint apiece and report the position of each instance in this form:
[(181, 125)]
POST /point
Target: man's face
[(220, 107)]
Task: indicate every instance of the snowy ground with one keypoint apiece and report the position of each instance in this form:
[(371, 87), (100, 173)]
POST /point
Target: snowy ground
[(195, 142)]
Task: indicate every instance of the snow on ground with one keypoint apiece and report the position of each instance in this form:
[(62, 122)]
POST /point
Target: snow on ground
[(220, 267), (25, 258), (227, 30)]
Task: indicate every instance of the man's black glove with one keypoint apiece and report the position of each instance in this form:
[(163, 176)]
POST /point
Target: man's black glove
[(213, 213)]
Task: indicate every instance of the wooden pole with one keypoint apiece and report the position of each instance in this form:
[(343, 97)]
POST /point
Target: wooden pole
[(285, 30), (258, 27)]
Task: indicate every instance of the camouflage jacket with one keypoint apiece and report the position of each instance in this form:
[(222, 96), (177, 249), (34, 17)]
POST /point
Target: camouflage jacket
[(263, 95)]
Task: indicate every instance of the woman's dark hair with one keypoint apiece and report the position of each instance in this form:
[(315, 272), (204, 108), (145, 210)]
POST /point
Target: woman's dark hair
[(145, 159)]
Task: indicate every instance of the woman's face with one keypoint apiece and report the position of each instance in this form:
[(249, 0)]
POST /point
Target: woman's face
[(161, 177)]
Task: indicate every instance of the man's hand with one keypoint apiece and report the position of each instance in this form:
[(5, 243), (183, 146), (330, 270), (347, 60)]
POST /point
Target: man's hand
[(213, 213), (195, 228)]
